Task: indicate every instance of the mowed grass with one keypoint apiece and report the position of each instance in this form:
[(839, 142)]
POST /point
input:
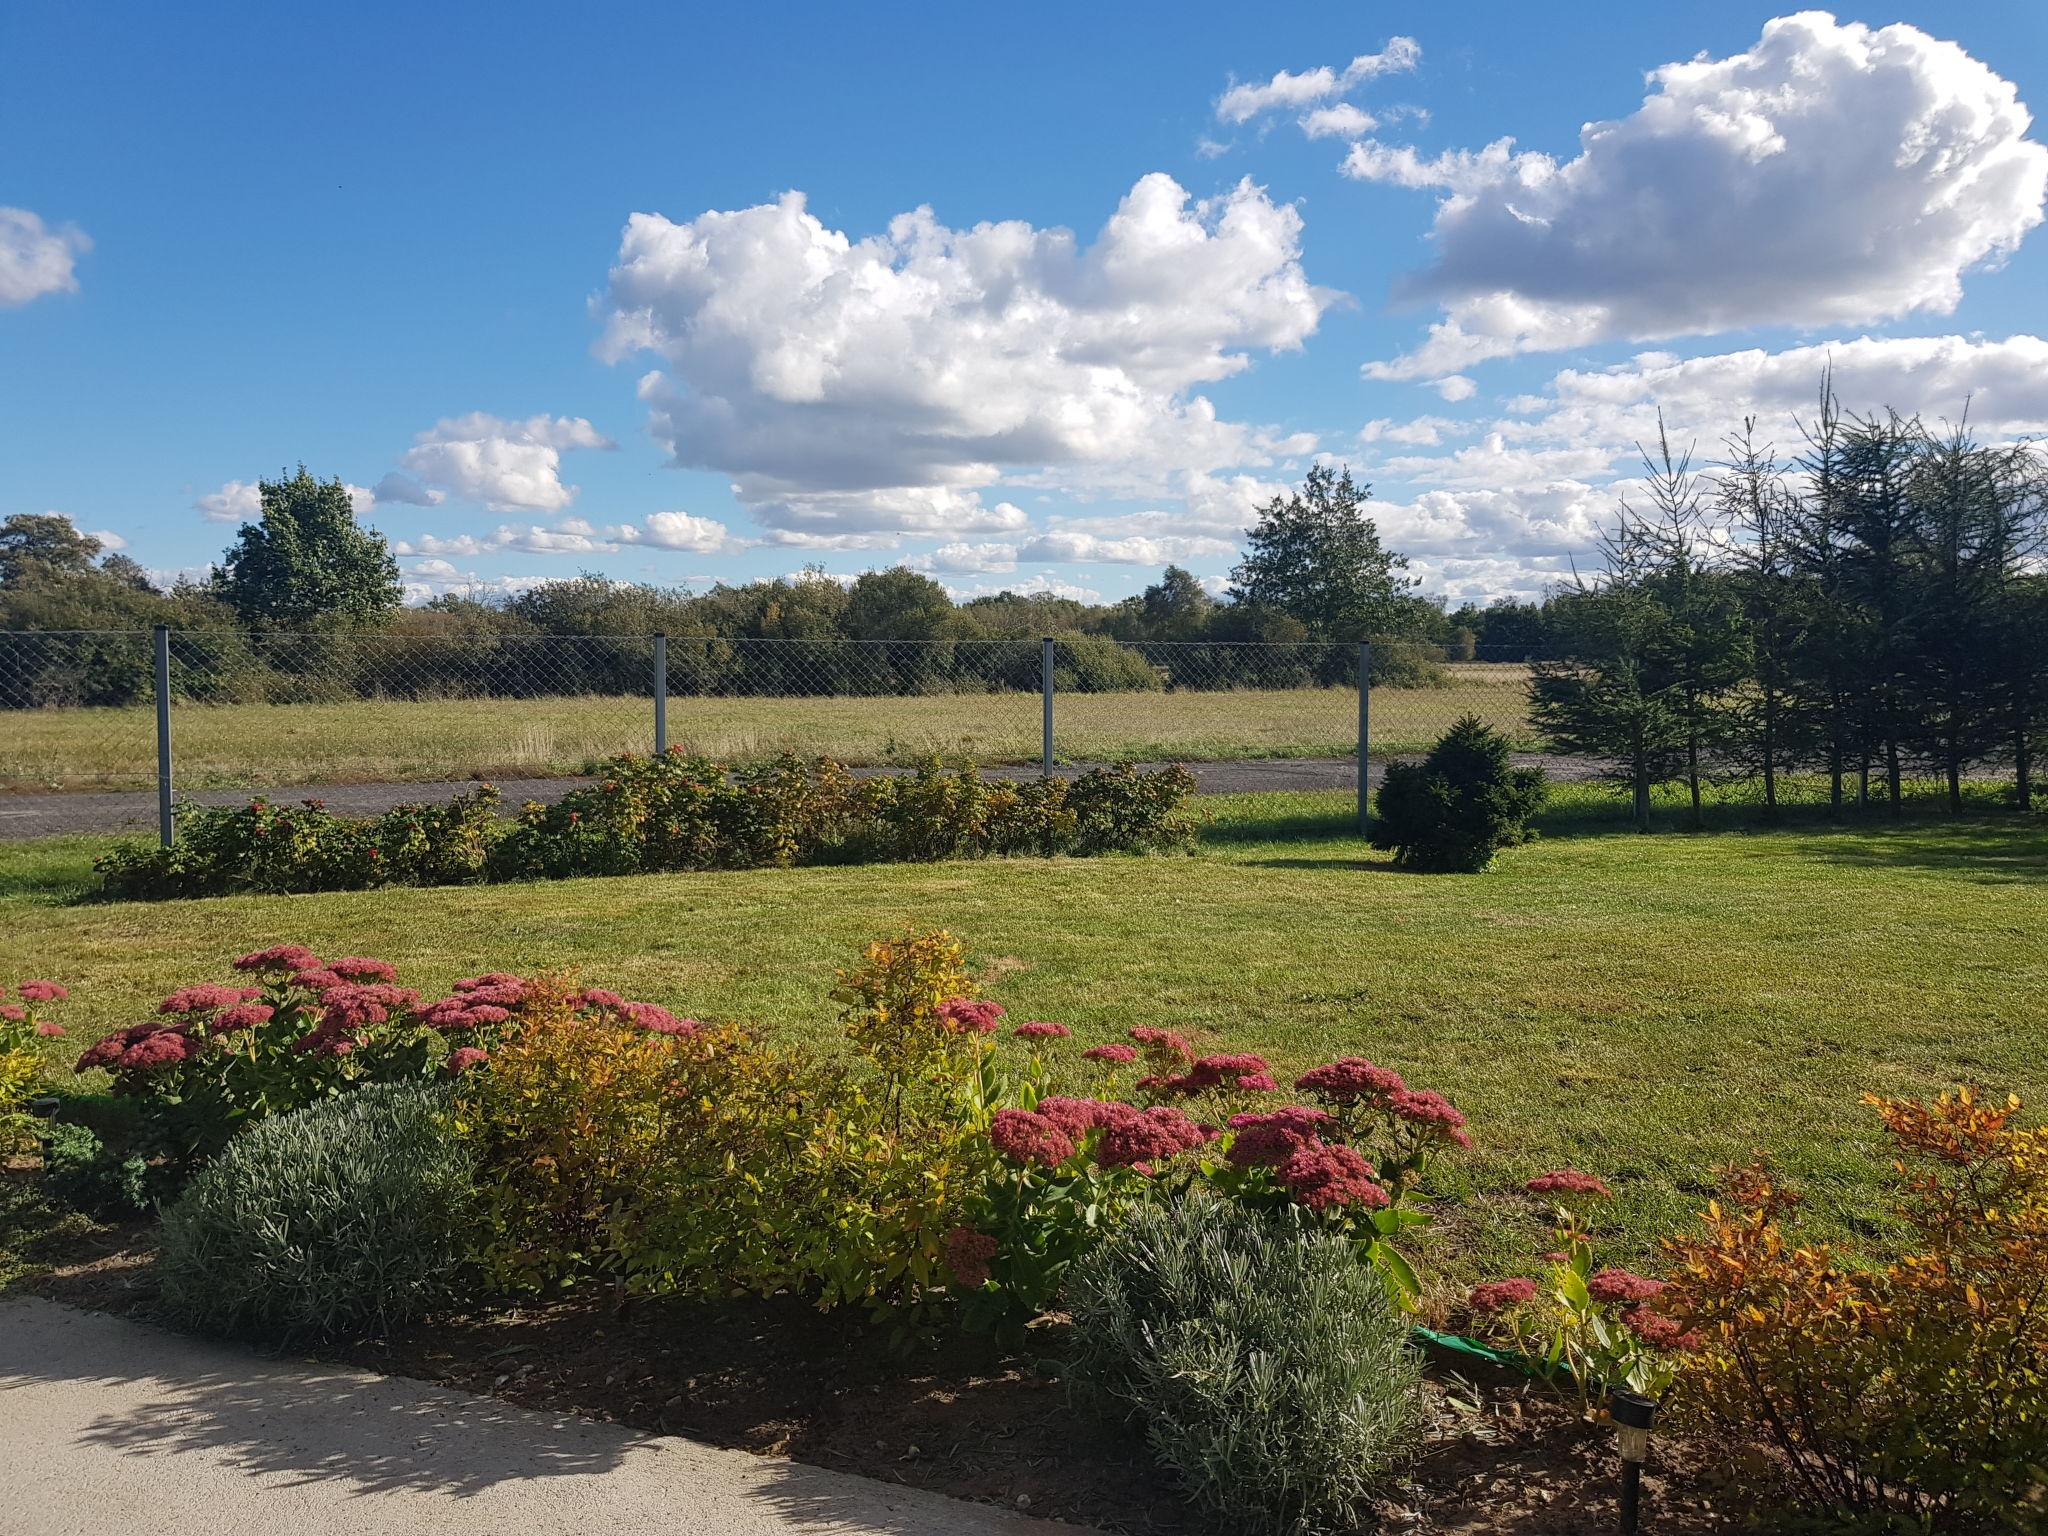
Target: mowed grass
[(1645, 1007), (396, 740)]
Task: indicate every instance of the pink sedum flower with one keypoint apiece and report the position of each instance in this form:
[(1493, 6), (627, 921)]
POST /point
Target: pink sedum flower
[(1432, 1111), (1040, 1029), (1266, 1140), (1499, 1295), (1349, 1080), (1326, 1176), (1134, 1138), (1568, 1181), (241, 1016), (1075, 1117), (1025, 1137), (1618, 1287), (1116, 1054), (281, 957), (967, 1255), (965, 1016), (206, 999), (462, 1058), (658, 1020), (363, 968), (42, 992), (1660, 1332), (13, 1013)]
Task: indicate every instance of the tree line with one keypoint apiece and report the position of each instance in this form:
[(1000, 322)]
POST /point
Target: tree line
[(1870, 607), (306, 603)]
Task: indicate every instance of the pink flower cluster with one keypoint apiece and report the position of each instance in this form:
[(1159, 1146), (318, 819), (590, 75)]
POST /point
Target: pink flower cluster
[(965, 1016), (283, 958), (1116, 1054), (204, 999), (1499, 1295), (1350, 1080), (1239, 1070), (1039, 1029), (32, 992), (1166, 1050), (1024, 1136), (648, 1016), (1659, 1331), (1568, 1181), (140, 1048), (1432, 1111), (1135, 1138), (967, 1255), (1327, 1176), (1322, 1175), (1620, 1287)]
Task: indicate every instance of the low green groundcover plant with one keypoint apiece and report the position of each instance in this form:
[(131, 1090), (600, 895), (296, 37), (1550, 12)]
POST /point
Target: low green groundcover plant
[(349, 1217), (650, 814), (1452, 812), (84, 1174), (1267, 1368)]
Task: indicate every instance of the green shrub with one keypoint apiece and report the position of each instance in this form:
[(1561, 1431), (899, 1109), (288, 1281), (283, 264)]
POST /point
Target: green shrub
[(646, 814), (349, 1217), (80, 1172), (1267, 1368), (1451, 813)]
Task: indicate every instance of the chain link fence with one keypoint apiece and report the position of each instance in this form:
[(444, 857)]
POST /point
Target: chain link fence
[(280, 713)]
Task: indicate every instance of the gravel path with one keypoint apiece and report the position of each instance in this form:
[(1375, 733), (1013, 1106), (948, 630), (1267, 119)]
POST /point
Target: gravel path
[(47, 815)]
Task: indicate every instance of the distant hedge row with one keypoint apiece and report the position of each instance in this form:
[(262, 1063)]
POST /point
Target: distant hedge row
[(671, 812)]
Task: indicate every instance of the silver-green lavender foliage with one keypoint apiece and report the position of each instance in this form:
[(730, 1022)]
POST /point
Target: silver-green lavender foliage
[(1265, 1366), (346, 1218)]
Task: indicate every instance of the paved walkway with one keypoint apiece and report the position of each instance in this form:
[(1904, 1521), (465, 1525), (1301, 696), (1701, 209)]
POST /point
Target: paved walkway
[(112, 1428)]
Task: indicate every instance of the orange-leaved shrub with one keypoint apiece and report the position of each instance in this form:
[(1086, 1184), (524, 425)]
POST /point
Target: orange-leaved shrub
[(1913, 1391)]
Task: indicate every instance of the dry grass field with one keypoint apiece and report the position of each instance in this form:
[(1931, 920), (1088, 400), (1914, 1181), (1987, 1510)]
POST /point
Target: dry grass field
[(397, 740)]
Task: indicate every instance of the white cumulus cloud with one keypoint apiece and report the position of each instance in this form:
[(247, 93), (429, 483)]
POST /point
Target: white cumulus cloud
[(507, 465), (859, 391), (677, 530), (1831, 174), (37, 258)]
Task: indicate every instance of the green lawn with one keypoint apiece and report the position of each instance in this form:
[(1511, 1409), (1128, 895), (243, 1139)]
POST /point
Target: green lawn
[(397, 740), (1646, 1007)]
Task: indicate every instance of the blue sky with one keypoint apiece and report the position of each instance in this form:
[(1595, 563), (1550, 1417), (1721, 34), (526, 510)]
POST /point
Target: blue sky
[(392, 243)]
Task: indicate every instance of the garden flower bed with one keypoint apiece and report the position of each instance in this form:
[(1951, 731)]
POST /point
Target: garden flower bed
[(1019, 1265)]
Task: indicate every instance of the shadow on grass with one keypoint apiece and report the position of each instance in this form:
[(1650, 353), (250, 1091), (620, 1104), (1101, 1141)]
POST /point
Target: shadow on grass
[(1990, 840)]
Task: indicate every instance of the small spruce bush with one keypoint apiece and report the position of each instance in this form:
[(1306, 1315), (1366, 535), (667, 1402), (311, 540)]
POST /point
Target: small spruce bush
[(346, 1218), (1267, 1367), (1452, 812), (80, 1172)]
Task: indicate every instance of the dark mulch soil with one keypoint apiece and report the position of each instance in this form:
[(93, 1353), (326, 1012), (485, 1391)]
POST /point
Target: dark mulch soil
[(957, 1416)]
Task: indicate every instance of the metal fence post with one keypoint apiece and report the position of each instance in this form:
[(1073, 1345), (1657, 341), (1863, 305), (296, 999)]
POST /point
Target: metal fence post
[(1045, 688), (1364, 732), (660, 694), (164, 830)]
